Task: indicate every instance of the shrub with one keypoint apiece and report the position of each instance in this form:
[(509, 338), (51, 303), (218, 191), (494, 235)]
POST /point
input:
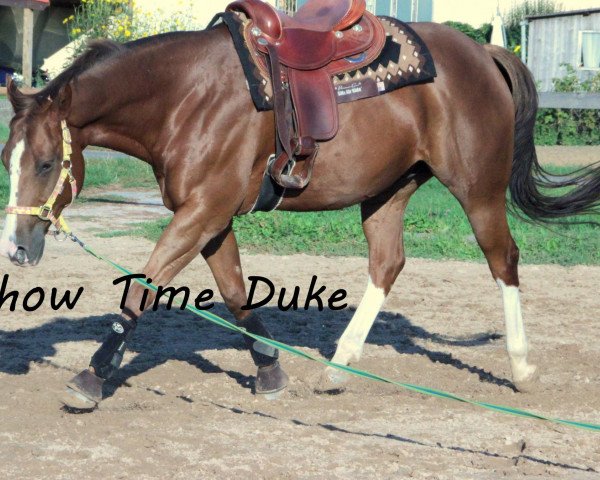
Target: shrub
[(570, 127), (480, 35), (118, 20)]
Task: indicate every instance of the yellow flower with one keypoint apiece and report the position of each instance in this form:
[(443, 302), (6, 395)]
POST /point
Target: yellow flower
[(127, 33), (72, 17), (120, 29), (65, 21), (517, 49)]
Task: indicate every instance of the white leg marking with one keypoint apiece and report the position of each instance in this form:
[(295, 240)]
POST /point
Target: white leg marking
[(7, 241), (516, 341), (351, 343)]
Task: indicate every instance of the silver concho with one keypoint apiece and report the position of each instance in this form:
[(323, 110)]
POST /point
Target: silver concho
[(357, 28), (256, 31), (118, 328), (339, 35)]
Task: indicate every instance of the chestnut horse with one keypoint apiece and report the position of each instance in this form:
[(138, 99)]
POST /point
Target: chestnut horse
[(180, 103)]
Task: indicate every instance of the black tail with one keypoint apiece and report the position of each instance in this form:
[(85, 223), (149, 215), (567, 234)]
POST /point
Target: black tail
[(529, 180)]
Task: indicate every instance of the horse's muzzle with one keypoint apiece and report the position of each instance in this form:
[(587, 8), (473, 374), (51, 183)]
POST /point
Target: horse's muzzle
[(23, 257)]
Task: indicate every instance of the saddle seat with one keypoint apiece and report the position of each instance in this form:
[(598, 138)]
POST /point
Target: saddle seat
[(324, 38), (314, 36), (326, 16)]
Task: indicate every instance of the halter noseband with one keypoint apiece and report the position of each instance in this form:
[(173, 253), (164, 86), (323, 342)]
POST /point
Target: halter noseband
[(45, 212)]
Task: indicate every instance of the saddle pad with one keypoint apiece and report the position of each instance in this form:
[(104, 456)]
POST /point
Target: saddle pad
[(405, 60)]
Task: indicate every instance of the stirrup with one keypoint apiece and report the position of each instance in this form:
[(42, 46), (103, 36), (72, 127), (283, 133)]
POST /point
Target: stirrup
[(283, 163)]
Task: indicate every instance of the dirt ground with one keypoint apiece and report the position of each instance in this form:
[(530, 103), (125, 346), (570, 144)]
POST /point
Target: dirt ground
[(182, 407), (568, 156)]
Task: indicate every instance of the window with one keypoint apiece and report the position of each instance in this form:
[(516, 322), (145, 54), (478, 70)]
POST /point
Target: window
[(589, 50), (288, 6)]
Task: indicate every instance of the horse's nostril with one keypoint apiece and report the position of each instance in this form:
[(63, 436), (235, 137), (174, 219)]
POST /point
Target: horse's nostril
[(21, 256)]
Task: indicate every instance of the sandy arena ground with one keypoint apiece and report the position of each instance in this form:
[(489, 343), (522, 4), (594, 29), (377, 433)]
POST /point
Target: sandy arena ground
[(183, 408)]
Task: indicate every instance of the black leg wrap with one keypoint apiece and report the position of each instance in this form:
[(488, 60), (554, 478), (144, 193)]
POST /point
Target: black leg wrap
[(263, 355), (109, 356)]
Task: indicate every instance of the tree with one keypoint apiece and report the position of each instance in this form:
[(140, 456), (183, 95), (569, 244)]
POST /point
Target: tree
[(480, 35), (520, 11)]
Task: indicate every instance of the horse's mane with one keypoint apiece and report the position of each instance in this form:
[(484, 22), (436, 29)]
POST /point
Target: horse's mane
[(96, 52)]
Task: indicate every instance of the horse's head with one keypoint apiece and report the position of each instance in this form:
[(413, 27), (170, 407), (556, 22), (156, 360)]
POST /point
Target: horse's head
[(33, 157)]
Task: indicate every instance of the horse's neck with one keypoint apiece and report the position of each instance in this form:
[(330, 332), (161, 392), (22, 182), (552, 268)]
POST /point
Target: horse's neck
[(128, 108), (101, 112)]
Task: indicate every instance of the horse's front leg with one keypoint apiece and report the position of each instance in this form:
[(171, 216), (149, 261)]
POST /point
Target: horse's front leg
[(188, 233), (223, 258)]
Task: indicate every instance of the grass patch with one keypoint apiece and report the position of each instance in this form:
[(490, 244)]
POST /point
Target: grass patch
[(435, 227), (118, 172), (4, 131)]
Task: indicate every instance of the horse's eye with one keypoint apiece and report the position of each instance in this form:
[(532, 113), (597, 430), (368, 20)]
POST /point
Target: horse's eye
[(45, 167)]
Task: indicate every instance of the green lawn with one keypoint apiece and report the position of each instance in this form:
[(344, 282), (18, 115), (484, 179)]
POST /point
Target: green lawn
[(117, 171), (435, 226), (3, 133)]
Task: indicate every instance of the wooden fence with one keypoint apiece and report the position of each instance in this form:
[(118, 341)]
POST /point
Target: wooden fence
[(589, 101)]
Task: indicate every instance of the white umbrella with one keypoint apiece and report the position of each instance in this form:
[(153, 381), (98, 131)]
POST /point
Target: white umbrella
[(498, 31)]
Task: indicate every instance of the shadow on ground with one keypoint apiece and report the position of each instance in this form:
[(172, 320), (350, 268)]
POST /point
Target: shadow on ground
[(179, 335), (175, 335)]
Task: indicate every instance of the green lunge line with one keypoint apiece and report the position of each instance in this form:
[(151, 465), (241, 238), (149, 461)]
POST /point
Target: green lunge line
[(211, 317)]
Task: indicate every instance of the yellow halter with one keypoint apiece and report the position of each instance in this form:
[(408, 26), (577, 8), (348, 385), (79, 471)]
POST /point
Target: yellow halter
[(45, 212)]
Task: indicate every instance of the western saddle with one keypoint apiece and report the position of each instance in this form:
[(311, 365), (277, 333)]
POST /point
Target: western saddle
[(324, 38)]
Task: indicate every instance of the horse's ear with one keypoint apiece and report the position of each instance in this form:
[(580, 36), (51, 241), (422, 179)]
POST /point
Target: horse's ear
[(18, 99), (64, 100)]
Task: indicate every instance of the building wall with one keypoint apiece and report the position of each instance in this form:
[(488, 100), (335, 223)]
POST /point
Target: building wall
[(402, 9), (397, 8), (555, 41), (49, 35)]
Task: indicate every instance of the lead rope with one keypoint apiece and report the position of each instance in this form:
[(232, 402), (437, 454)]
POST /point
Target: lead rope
[(215, 319)]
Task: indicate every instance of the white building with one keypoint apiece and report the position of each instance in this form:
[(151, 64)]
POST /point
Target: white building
[(204, 11), (478, 12)]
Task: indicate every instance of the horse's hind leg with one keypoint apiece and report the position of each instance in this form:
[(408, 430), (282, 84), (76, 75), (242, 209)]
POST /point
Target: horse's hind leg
[(487, 216), (383, 227)]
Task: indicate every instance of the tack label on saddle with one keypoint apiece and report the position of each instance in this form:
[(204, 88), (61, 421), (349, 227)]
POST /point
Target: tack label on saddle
[(405, 60), (355, 90)]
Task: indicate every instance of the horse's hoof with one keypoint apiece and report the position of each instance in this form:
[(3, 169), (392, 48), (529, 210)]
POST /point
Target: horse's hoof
[(75, 402), (271, 379), (84, 391), (336, 377), (331, 382), (528, 382)]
